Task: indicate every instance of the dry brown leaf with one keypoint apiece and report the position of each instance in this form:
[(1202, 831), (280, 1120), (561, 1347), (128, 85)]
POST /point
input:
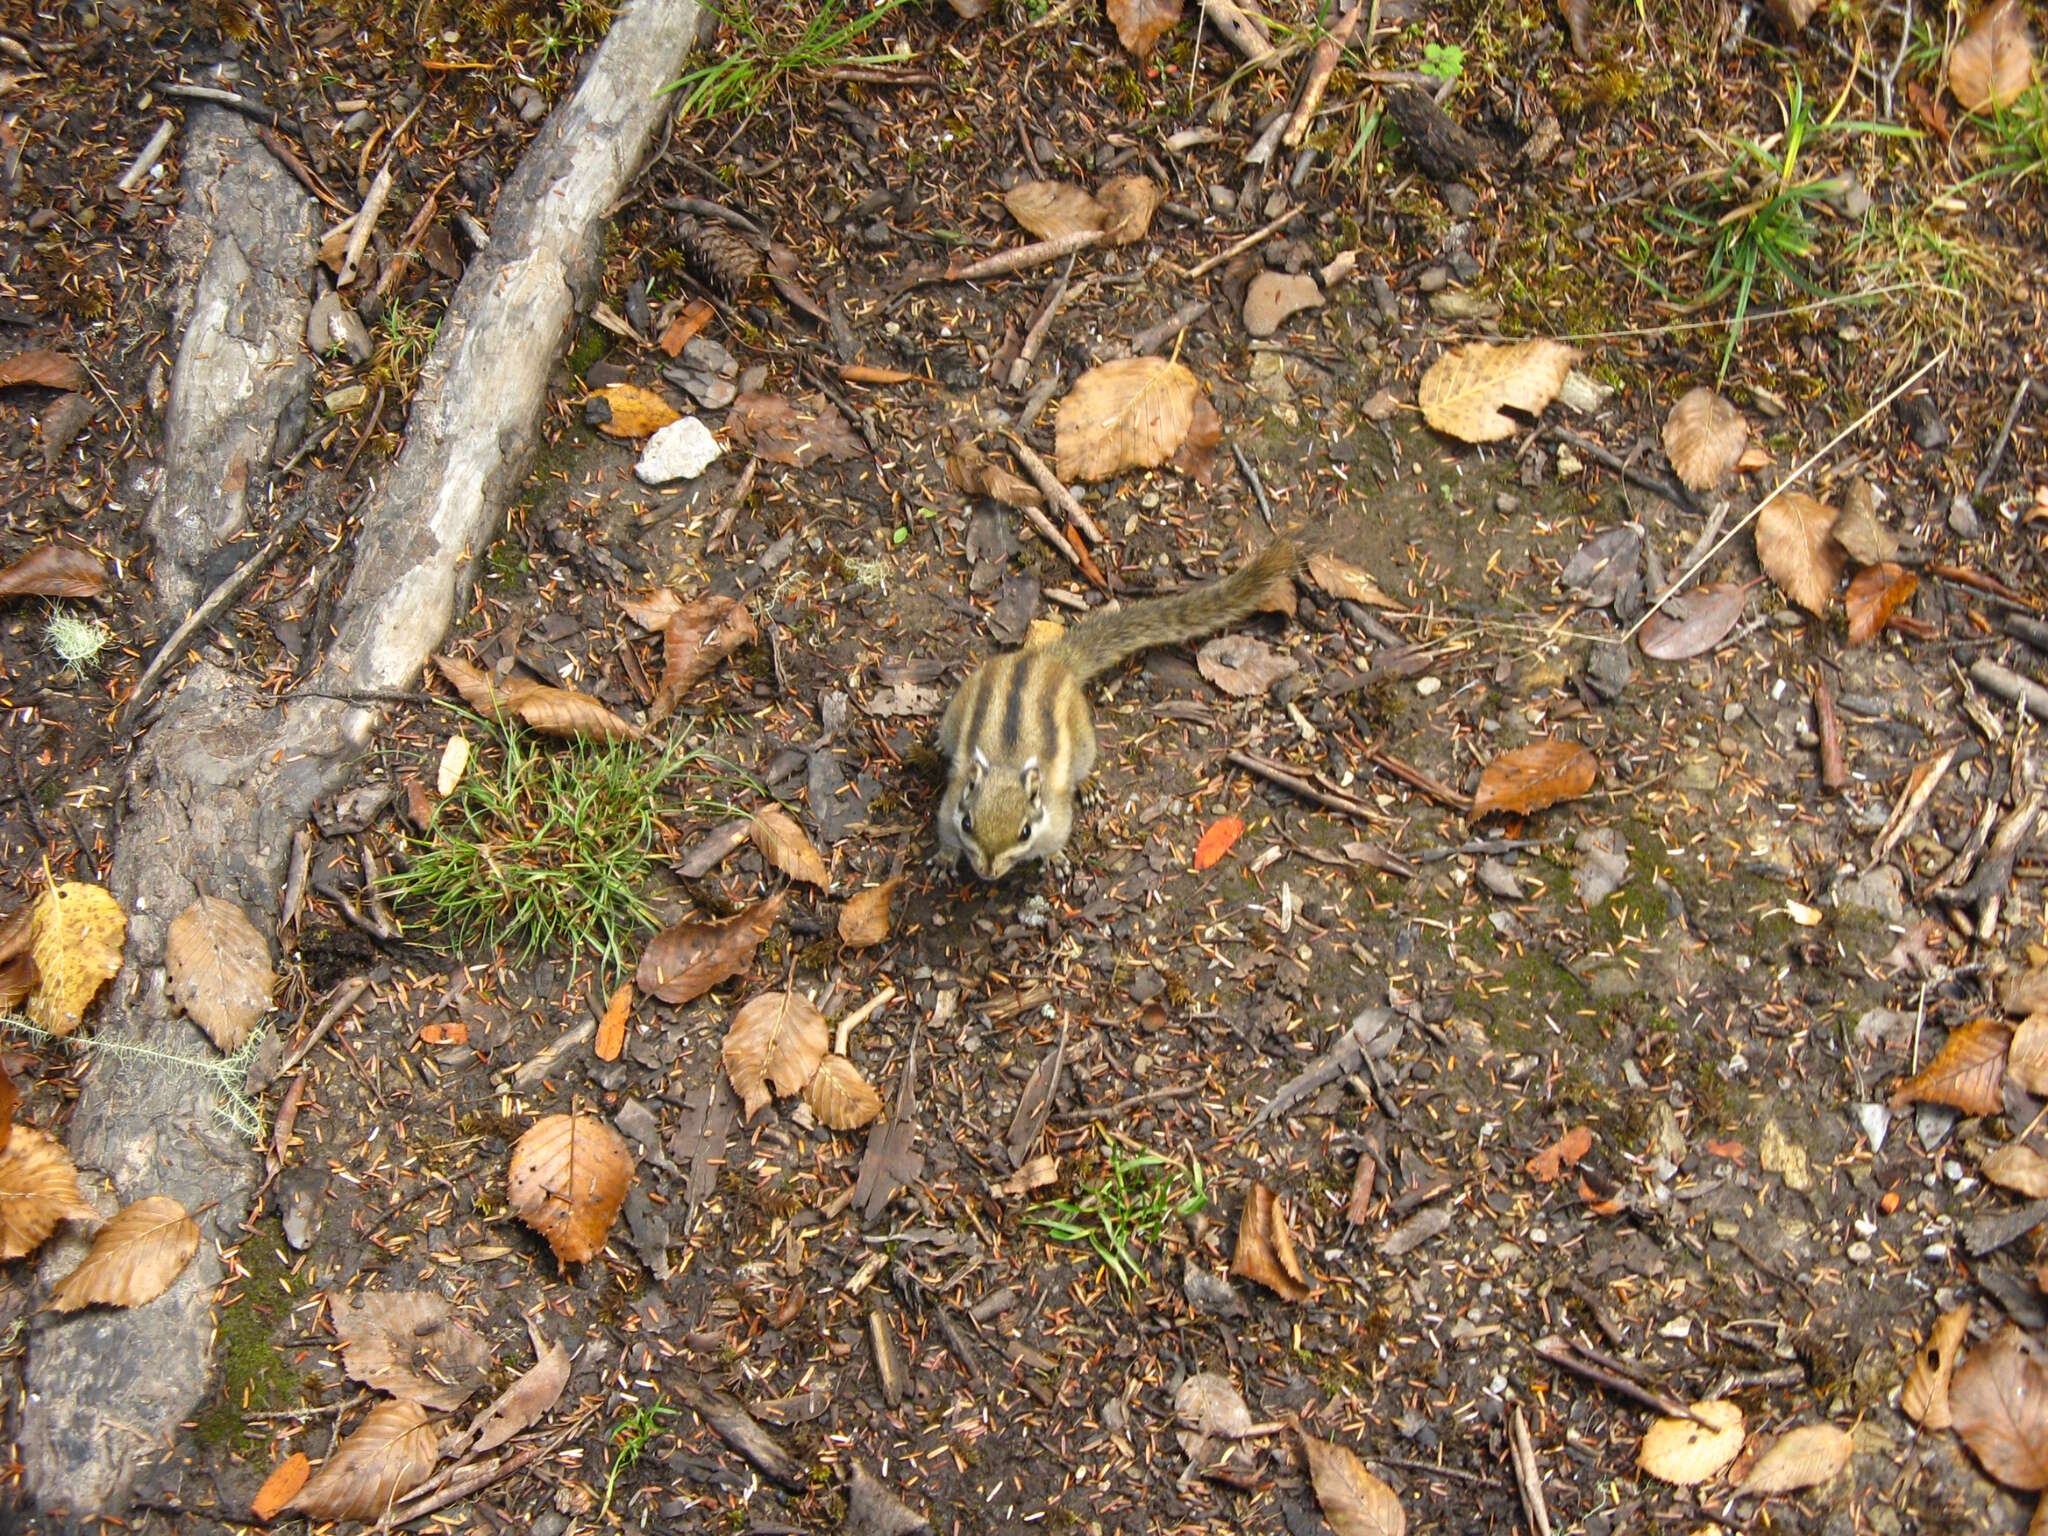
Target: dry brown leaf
[(1243, 666), (1342, 579), (10, 1096), (1875, 594), (1129, 203), (281, 1487), (2027, 1060), (521, 1405), (55, 570), (567, 1181), (565, 712), (1050, 209), (773, 1048), (18, 979), (1133, 413), (1693, 623), (1209, 1409), (1549, 1165), (772, 428), (698, 636), (1992, 64), (388, 1456), (1860, 531), (611, 1029), (1529, 778), (688, 959), (1141, 23), (2019, 1168), (1464, 391), (864, 921), (783, 844), (1925, 1398), (1704, 437), (634, 411), (653, 611), (50, 370), (474, 688), (411, 1345), (1791, 15), (218, 967), (1265, 1248), (1197, 458), (1685, 1451), (1796, 546), (1800, 1458), (1999, 1399), (75, 936), (1968, 1073), (38, 1189), (133, 1258), (1353, 1500), (840, 1097)]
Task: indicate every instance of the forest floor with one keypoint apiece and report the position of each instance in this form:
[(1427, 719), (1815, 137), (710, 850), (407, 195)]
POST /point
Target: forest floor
[(1694, 985)]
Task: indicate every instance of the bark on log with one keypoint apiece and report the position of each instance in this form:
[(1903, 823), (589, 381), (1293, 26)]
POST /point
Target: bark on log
[(224, 778), (242, 256)]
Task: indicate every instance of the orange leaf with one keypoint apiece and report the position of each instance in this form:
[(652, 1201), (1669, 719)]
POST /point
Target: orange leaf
[(281, 1487), (453, 1033), (1878, 592), (1548, 1166), (52, 370), (1968, 1073), (1217, 841), (1529, 778), (611, 1030)]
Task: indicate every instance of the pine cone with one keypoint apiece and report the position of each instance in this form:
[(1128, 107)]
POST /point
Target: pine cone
[(722, 257)]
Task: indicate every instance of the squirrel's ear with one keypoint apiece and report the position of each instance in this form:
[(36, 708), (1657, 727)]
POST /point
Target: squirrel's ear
[(1032, 779), (980, 762)]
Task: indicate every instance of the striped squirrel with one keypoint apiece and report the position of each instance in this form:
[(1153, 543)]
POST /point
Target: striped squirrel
[(1019, 738)]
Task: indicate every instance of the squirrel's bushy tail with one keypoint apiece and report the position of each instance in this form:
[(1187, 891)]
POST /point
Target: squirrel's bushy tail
[(1102, 640)]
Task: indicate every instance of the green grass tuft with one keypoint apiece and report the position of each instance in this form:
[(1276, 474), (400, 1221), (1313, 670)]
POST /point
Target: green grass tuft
[(1124, 1207), (768, 48)]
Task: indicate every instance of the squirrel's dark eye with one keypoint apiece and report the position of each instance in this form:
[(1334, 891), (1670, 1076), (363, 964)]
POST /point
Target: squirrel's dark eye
[(966, 820)]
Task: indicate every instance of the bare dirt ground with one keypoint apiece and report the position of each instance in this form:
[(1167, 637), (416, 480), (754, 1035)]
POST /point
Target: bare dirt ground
[(1703, 961)]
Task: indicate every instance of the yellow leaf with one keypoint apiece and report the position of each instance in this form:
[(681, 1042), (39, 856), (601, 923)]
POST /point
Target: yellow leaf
[(1688, 1451), (1796, 546), (38, 1189), (75, 935), (567, 1181), (1704, 437), (1133, 413), (775, 1042), (1464, 391)]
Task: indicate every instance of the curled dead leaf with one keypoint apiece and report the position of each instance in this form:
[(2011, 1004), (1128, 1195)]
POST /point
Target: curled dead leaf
[(1800, 1458), (47, 369), (133, 1258), (2027, 1059), (840, 1097), (783, 844), (1693, 623), (1128, 203), (1140, 24), (55, 570), (75, 937), (1992, 63), (389, 1455), (773, 1047), (1529, 778), (1925, 1397), (218, 968), (1860, 531), (1549, 1165), (1265, 1248), (411, 1345), (652, 611), (631, 411), (611, 1029), (1796, 546), (38, 1189), (2019, 1168), (1875, 594), (688, 959), (1704, 437), (1355, 1501), (1132, 413), (1243, 666), (1050, 209), (522, 1404), (567, 1180), (796, 434), (1464, 392), (1688, 1451), (1999, 1400), (1341, 579), (697, 637), (865, 920), (1967, 1073), (548, 710)]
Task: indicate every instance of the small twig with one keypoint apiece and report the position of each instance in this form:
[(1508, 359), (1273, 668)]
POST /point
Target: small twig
[(345, 997), (206, 93), (1256, 238), (1034, 338), (1258, 486), (1583, 1360), (1244, 29), (1286, 778), (1834, 769), (482, 1476), (1056, 491), (1109, 1111), (1320, 65), (1990, 586), (1154, 337), (1528, 1476), (1415, 778), (152, 152), (1670, 490), (862, 1014), (306, 176), (2010, 686), (2012, 414), (365, 225), (1003, 262)]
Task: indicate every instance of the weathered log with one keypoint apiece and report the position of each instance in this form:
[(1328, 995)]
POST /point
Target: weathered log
[(225, 776)]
